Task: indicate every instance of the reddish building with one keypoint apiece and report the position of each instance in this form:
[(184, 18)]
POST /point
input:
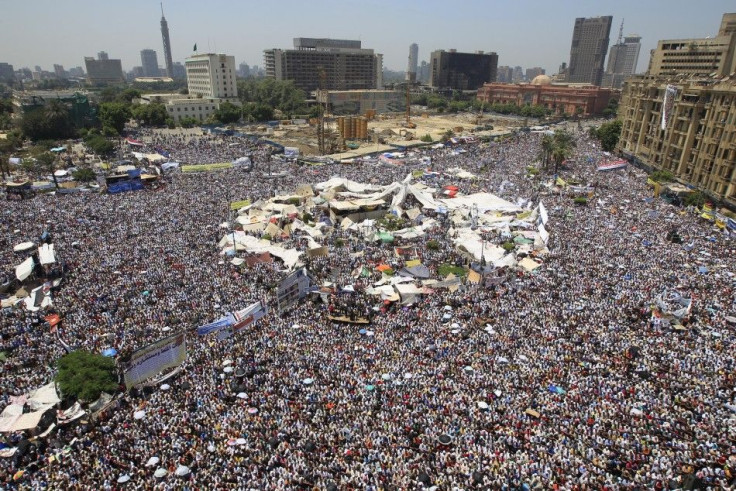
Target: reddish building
[(584, 100)]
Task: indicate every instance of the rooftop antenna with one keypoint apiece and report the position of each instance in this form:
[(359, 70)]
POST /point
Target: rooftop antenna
[(620, 32)]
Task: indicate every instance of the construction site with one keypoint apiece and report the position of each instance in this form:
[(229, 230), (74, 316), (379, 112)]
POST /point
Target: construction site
[(345, 137)]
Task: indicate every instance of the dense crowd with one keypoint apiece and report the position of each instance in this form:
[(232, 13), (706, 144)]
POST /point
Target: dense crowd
[(557, 379)]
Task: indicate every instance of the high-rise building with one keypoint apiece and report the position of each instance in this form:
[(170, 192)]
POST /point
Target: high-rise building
[(622, 59), (102, 55), (180, 73), (423, 73), (588, 49), (7, 74), (243, 70), (518, 74), (504, 74), (149, 63), (531, 73), (462, 71), (685, 125), (104, 71), (211, 75), (698, 57), (167, 45), (411, 69), (59, 71), (77, 71), (332, 64)]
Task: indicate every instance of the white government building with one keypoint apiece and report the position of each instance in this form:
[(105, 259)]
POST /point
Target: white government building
[(210, 80)]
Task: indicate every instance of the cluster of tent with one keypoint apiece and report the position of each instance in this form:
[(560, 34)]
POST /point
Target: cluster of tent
[(359, 207)]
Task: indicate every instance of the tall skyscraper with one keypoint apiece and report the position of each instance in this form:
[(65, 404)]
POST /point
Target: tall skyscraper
[(588, 49), (167, 44), (622, 59), (462, 71), (411, 70), (149, 63), (59, 71)]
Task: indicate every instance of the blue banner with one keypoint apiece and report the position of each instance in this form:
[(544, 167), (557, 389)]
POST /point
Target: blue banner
[(219, 324)]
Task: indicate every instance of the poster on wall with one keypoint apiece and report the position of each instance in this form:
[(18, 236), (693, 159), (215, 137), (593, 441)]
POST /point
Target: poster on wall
[(669, 100)]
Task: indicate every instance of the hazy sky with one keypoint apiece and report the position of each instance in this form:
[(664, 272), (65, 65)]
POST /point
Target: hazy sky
[(523, 32)]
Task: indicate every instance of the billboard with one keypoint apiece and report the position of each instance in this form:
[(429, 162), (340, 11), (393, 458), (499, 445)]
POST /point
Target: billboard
[(669, 101), (148, 362), (249, 315), (293, 288)]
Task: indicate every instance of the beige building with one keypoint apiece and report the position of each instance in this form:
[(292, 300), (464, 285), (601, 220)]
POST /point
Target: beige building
[(211, 75), (695, 139), (711, 56), (180, 106)]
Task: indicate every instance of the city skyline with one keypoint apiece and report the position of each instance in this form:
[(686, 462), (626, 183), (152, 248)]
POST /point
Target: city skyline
[(527, 33)]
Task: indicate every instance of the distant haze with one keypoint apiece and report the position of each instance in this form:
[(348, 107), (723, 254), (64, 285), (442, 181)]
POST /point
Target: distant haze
[(524, 32)]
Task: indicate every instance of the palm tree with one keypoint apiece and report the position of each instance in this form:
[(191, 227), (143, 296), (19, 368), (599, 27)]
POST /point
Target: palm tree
[(547, 149), (563, 145)]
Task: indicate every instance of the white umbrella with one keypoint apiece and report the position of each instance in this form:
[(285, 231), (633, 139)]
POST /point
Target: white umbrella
[(455, 325), (241, 441), (369, 333), (165, 387), (227, 362), (482, 404), (523, 358), (139, 414), (502, 359), (497, 392), (386, 376), (182, 471), (468, 368), (242, 395), (228, 369), (152, 461), (166, 329), (308, 381), (408, 375), (295, 326), (455, 331), (447, 307), (160, 472), (447, 317), (124, 478)]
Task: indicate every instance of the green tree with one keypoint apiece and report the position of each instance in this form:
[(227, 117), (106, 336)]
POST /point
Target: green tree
[(98, 144), (85, 375), (228, 113), (188, 122), (258, 112), (150, 114), (608, 134), (564, 144), (84, 174), (46, 162), (114, 115), (547, 145), (51, 121)]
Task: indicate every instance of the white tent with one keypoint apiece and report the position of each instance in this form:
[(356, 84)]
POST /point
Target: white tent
[(24, 269), (46, 254)]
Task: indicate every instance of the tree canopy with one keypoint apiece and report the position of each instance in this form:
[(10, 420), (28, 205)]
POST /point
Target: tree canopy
[(114, 115), (85, 375), (52, 121), (608, 134), (150, 114), (228, 113), (277, 94)]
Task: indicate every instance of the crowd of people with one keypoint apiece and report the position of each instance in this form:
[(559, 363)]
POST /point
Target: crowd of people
[(556, 379)]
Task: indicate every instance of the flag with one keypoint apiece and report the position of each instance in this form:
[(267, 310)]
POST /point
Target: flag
[(195, 47)]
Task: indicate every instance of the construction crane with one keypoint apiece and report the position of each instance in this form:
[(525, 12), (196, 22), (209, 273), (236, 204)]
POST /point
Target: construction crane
[(408, 124), (321, 124)]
